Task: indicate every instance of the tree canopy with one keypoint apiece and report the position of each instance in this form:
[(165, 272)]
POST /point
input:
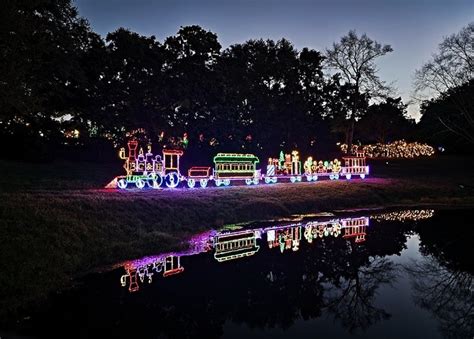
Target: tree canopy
[(445, 84), (62, 84)]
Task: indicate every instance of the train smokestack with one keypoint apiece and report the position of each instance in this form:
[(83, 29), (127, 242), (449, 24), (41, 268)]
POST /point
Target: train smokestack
[(132, 149)]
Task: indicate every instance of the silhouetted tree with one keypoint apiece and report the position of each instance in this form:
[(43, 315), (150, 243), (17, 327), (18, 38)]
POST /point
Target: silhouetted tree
[(129, 83), (354, 57), (192, 92), (386, 121), (340, 107), (42, 44), (277, 90), (441, 120), (445, 77)]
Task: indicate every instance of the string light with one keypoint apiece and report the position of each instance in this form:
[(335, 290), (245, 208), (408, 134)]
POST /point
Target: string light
[(408, 215), (396, 149)]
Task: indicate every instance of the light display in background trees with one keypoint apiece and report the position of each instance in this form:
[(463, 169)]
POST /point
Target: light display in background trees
[(396, 149), (407, 215)]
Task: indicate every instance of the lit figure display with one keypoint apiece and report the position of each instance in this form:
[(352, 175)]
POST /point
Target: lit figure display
[(145, 170)]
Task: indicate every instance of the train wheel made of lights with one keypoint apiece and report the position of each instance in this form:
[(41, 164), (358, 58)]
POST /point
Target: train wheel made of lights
[(122, 183), (140, 183), (172, 180), (191, 183), (154, 181)]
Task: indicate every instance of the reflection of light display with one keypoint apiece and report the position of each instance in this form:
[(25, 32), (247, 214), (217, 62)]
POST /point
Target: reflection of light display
[(240, 244), (408, 215), (167, 263), (355, 228), (314, 230), (284, 238), (235, 245), (396, 149)]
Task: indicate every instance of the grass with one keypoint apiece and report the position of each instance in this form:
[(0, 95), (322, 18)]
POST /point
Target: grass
[(55, 224)]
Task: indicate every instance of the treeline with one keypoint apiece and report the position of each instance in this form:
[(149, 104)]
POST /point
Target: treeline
[(62, 86)]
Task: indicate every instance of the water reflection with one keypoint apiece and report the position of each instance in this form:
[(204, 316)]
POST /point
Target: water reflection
[(442, 278), (447, 293), (239, 244), (331, 278)]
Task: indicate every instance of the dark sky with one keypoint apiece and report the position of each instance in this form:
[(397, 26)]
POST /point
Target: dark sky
[(413, 28)]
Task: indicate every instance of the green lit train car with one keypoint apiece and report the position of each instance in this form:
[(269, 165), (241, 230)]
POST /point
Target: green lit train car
[(234, 166)]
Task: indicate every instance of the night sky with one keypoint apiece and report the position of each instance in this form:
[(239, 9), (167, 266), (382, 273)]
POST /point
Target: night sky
[(413, 28)]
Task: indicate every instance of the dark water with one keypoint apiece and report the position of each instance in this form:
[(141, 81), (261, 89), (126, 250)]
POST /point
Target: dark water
[(403, 274)]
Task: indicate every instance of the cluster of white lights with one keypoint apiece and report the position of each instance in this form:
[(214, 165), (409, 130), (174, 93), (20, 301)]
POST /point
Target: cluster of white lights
[(407, 215), (396, 149)]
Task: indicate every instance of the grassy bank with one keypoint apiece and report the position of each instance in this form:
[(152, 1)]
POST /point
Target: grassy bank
[(54, 227)]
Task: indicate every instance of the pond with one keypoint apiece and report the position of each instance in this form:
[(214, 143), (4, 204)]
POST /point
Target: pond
[(390, 274)]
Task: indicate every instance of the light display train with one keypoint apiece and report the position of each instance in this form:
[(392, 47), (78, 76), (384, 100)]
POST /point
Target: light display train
[(144, 169)]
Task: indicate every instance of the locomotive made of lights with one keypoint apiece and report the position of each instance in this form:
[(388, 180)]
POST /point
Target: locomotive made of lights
[(143, 169)]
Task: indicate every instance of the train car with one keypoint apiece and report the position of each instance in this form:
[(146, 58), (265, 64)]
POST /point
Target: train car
[(287, 166), (199, 175), (234, 166), (355, 166), (313, 169)]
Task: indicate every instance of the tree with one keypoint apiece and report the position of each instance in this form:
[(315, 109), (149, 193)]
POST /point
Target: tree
[(192, 93), (441, 120), (42, 49), (354, 57), (340, 98), (445, 75), (386, 121), (275, 92), (128, 96)]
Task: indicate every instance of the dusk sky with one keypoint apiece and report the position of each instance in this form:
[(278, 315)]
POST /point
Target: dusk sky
[(413, 28)]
